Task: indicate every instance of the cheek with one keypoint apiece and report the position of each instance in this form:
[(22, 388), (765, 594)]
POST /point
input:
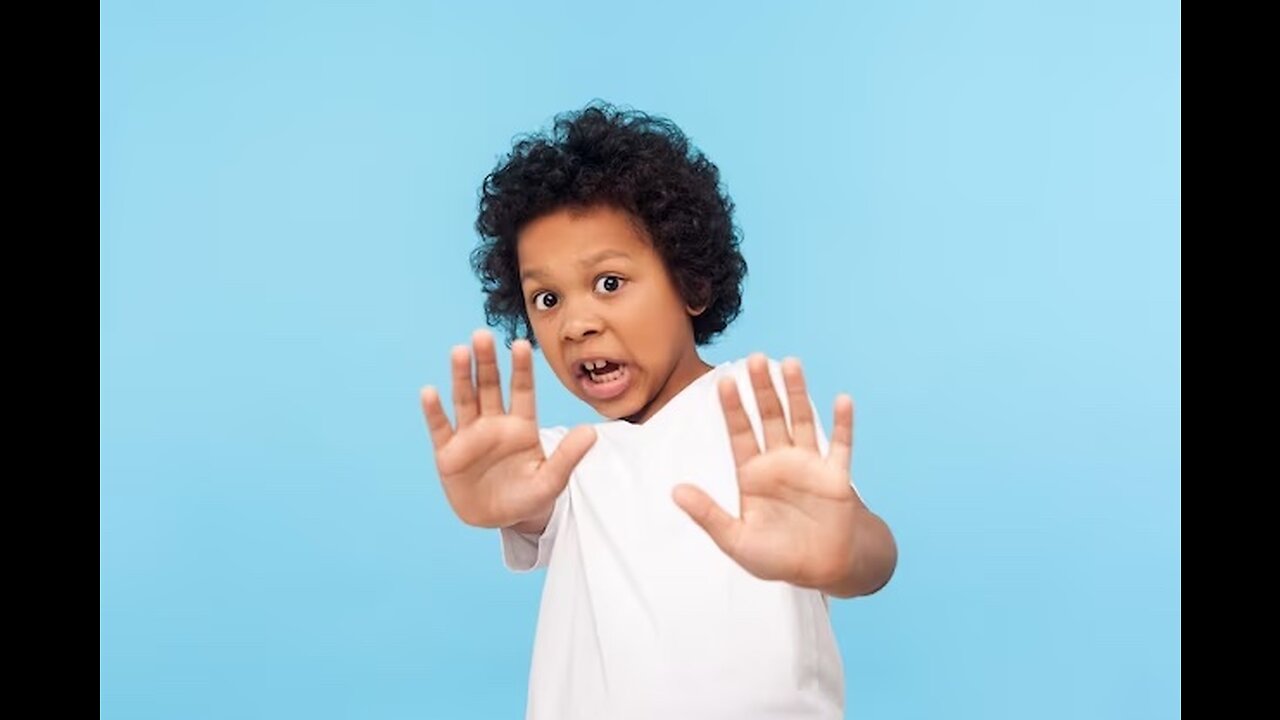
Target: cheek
[(536, 329)]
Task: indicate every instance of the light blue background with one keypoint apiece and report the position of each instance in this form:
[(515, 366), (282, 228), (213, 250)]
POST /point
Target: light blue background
[(967, 215)]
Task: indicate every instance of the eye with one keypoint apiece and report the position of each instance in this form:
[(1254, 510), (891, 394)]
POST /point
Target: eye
[(613, 287), (611, 284), (534, 300)]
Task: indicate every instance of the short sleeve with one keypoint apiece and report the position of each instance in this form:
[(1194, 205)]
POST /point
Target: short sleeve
[(824, 445), (523, 552)]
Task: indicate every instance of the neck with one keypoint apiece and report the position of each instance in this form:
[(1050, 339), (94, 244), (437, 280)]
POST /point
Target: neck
[(690, 368)]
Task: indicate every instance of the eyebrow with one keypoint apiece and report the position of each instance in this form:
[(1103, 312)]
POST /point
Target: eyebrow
[(585, 262)]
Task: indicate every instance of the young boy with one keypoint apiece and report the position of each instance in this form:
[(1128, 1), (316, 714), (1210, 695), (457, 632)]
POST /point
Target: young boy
[(691, 540)]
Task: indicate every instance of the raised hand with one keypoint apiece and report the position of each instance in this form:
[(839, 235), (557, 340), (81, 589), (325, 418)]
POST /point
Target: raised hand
[(492, 466), (798, 509)]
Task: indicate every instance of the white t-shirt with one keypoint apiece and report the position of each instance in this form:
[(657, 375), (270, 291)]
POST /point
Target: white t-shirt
[(642, 615)]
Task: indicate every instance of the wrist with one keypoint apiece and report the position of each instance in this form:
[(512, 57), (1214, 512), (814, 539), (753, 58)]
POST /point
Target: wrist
[(535, 525)]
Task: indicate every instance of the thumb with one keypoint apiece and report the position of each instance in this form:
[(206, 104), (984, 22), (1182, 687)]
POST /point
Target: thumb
[(568, 454), (723, 528)]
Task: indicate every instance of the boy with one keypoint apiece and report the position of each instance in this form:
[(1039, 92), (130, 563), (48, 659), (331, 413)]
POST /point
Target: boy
[(691, 541)]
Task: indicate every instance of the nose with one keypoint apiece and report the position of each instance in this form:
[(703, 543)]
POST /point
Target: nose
[(579, 326)]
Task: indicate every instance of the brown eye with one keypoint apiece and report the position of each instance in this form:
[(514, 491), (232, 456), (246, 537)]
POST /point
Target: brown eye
[(543, 294), (613, 286)]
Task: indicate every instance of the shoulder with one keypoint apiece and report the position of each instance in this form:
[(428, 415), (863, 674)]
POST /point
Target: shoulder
[(740, 371)]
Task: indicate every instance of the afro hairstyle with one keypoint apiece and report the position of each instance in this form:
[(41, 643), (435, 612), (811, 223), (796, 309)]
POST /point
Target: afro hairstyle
[(626, 159)]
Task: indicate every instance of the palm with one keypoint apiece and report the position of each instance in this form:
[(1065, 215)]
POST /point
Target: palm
[(489, 462), (492, 466), (796, 508)]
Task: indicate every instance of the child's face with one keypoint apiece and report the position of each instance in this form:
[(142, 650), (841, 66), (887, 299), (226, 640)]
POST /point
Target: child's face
[(594, 287)]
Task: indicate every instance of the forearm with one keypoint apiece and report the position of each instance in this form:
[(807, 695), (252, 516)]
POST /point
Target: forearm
[(872, 562)]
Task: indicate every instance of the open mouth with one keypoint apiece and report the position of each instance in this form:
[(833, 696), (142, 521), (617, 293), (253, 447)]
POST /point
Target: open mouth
[(604, 380)]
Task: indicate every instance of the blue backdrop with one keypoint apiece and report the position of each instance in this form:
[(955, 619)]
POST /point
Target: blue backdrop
[(967, 215)]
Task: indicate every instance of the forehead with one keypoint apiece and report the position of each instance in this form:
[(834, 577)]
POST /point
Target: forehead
[(566, 238)]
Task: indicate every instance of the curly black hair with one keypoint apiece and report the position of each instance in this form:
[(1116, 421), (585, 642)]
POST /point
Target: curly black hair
[(627, 159)]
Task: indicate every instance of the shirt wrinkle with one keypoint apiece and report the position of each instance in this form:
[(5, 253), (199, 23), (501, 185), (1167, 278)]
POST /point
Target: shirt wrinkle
[(642, 615)]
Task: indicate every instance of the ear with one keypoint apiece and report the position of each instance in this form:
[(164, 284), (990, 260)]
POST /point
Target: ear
[(702, 287)]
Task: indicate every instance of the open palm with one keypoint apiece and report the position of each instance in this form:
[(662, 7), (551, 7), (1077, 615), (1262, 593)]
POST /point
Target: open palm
[(797, 508)]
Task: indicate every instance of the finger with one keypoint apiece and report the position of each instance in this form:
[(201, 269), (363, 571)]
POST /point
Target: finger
[(841, 453), (555, 471), (772, 419), (488, 383), (725, 530), (742, 438), (802, 429), (464, 394), (522, 402), (437, 421)]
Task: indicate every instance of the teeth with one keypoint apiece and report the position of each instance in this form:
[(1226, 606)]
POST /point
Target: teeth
[(592, 365), (602, 379)]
